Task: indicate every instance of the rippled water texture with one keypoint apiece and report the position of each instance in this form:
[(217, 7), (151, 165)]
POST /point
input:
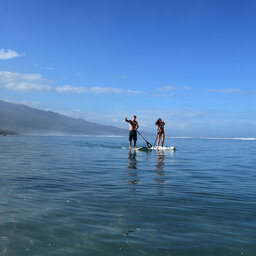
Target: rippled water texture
[(85, 196)]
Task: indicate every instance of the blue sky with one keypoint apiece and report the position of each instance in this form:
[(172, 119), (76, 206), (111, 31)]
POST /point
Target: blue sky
[(190, 62)]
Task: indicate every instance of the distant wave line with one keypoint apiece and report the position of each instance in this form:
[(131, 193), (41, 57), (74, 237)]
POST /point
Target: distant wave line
[(211, 138)]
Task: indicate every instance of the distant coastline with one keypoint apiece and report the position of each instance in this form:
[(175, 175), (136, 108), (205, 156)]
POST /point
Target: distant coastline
[(8, 132), (24, 120)]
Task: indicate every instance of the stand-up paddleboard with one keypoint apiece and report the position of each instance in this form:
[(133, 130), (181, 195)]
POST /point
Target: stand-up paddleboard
[(156, 148), (142, 149), (164, 148), (153, 148)]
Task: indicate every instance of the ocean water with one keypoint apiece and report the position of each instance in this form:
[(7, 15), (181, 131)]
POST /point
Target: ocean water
[(88, 196)]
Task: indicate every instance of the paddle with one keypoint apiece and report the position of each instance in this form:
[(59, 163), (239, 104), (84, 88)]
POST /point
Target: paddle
[(148, 144), (155, 140)]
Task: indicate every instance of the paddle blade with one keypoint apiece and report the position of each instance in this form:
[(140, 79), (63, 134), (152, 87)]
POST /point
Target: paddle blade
[(149, 145)]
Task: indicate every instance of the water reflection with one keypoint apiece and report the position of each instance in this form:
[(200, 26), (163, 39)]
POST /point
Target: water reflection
[(132, 170), (159, 170)]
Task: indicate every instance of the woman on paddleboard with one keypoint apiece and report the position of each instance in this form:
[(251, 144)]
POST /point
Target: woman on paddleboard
[(160, 131)]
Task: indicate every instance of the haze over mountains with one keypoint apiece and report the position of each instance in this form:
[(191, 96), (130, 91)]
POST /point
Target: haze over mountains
[(22, 119)]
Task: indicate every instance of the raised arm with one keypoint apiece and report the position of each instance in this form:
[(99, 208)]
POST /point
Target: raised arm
[(126, 120)]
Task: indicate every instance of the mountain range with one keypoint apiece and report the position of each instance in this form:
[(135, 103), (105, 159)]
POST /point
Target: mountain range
[(22, 119)]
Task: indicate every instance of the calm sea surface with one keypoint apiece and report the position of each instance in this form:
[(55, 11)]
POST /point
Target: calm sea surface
[(88, 196)]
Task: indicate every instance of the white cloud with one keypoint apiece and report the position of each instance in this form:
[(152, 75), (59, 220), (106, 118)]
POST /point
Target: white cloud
[(6, 76), (50, 68), (36, 82), (168, 88), (235, 90), (23, 82), (24, 102), (95, 90), (169, 91), (161, 95), (23, 86), (70, 89), (109, 90), (9, 54)]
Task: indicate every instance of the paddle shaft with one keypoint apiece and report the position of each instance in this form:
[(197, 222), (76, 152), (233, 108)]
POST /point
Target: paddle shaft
[(155, 140), (149, 145)]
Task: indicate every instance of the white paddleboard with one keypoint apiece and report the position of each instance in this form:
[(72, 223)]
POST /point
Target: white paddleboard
[(164, 148), (172, 148)]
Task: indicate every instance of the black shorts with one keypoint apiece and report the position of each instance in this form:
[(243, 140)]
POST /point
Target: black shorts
[(133, 135)]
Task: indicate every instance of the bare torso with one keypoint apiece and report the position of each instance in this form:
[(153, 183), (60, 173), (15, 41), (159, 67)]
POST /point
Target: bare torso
[(133, 125)]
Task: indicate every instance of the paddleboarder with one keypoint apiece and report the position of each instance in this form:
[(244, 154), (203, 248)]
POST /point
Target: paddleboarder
[(133, 126), (160, 131)]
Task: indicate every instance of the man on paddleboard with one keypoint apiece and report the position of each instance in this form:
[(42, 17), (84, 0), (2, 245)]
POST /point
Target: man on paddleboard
[(133, 126)]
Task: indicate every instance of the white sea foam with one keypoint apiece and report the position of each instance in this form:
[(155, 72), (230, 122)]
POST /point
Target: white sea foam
[(101, 136), (211, 138), (109, 136), (244, 138)]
